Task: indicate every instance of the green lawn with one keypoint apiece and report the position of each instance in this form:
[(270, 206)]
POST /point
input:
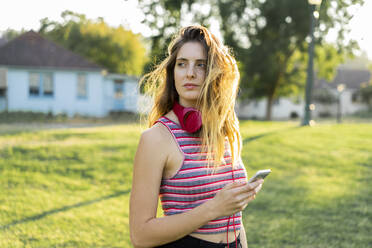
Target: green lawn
[(70, 187)]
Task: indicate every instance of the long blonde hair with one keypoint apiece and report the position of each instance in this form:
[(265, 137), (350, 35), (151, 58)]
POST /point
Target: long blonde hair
[(216, 101)]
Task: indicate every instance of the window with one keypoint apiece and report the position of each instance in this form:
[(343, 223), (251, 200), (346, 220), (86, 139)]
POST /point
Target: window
[(2, 92), (356, 97), (41, 84), (34, 84), (47, 85), (118, 88), (3, 83), (277, 102), (82, 86)]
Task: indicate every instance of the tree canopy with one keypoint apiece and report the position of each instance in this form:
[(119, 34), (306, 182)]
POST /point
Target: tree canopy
[(269, 38), (117, 49)]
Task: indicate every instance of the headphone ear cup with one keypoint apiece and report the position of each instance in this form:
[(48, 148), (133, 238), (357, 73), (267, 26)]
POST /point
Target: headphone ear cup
[(192, 120), (189, 118)]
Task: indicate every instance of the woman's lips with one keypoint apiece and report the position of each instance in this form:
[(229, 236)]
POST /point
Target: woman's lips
[(190, 86)]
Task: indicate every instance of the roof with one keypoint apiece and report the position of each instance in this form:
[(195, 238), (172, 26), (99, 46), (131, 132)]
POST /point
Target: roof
[(113, 76), (351, 78), (3, 41), (32, 50)]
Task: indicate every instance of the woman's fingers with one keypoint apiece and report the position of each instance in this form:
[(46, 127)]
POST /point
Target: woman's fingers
[(247, 193), (256, 183), (238, 194), (244, 203), (258, 188), (253, 185), (243, 185), (235, 184)]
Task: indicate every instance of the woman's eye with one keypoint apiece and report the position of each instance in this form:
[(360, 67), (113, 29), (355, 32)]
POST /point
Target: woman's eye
[(202, 65), (181, 64)]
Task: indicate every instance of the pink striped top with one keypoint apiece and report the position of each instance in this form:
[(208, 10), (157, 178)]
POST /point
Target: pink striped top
[(194, 183)]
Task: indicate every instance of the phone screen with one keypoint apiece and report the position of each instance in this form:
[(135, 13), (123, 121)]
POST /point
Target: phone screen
[(259, 174)]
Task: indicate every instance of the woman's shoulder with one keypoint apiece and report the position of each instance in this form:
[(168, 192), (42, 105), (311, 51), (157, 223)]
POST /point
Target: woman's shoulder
[(158, 133), (156, 144)]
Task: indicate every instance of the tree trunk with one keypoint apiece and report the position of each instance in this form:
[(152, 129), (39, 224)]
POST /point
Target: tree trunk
[(269, 107), (271, 92)]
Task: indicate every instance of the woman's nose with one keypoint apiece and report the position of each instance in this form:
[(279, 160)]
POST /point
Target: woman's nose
[(191, 72)]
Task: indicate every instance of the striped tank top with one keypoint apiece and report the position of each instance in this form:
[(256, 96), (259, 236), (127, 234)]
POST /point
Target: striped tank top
[(194, 183)]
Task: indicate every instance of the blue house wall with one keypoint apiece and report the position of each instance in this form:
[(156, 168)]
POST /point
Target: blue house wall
[(64, 99), (129, 93)]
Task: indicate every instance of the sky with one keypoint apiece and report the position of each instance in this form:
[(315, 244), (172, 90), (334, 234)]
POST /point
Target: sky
[(18, 14)]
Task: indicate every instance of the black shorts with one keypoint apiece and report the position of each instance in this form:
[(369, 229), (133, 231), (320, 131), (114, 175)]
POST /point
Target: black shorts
[(189, 241)]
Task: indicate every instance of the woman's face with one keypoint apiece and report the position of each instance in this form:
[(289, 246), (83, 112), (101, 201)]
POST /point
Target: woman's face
[(189, 72)]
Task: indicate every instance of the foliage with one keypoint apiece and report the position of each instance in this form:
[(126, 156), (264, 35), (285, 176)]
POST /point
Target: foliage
[(324, 96), (34, 118), (163, 17), (117, 49), (366, 94), (29, 117), (275, 58), (366, 90), (362, 115), (10, 34), (268, 37)]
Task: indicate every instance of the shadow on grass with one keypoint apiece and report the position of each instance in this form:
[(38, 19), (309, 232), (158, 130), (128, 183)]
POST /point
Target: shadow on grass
[(26, 128), (62, 209), (259, 136), (367, 163)]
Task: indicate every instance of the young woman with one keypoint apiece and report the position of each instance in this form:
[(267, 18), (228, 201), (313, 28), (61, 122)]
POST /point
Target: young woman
[(190, 155)]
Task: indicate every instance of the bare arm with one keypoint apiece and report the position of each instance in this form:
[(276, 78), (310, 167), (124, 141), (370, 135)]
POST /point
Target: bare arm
[(145, 229), (243, 237)]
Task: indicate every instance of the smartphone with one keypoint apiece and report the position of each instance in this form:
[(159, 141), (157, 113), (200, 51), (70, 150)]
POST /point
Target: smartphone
[(259, 174)]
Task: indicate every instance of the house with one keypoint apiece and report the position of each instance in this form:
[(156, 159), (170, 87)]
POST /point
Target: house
[(3, 41), (345, 88), (38, 75), (349, 79)]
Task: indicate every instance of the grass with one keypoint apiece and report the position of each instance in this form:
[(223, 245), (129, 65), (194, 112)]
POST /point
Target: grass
[(66, 188), (319, 194), (15, 117), (70, 187)]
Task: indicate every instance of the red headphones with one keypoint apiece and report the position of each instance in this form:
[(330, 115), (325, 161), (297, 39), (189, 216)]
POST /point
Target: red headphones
[(189, 118)]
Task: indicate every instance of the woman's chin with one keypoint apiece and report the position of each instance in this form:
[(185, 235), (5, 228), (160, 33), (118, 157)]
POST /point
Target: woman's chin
[(191, 99)]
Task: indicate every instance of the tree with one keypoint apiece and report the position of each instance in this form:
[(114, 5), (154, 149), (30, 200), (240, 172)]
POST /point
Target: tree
[(268, 38), (366, 94), (365, 91), (324, 96), (117, 49), (10, 34), (163, 17)]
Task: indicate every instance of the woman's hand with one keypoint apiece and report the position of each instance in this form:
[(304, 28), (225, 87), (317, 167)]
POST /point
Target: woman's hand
[(234, 197)]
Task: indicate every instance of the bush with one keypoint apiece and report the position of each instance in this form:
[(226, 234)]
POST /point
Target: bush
[(293, 115), (366, 94), (29, 117), (325, 114), (324, 96), (363, 114)]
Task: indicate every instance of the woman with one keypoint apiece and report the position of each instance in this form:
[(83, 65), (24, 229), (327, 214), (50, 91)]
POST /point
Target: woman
[(190, 155)]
